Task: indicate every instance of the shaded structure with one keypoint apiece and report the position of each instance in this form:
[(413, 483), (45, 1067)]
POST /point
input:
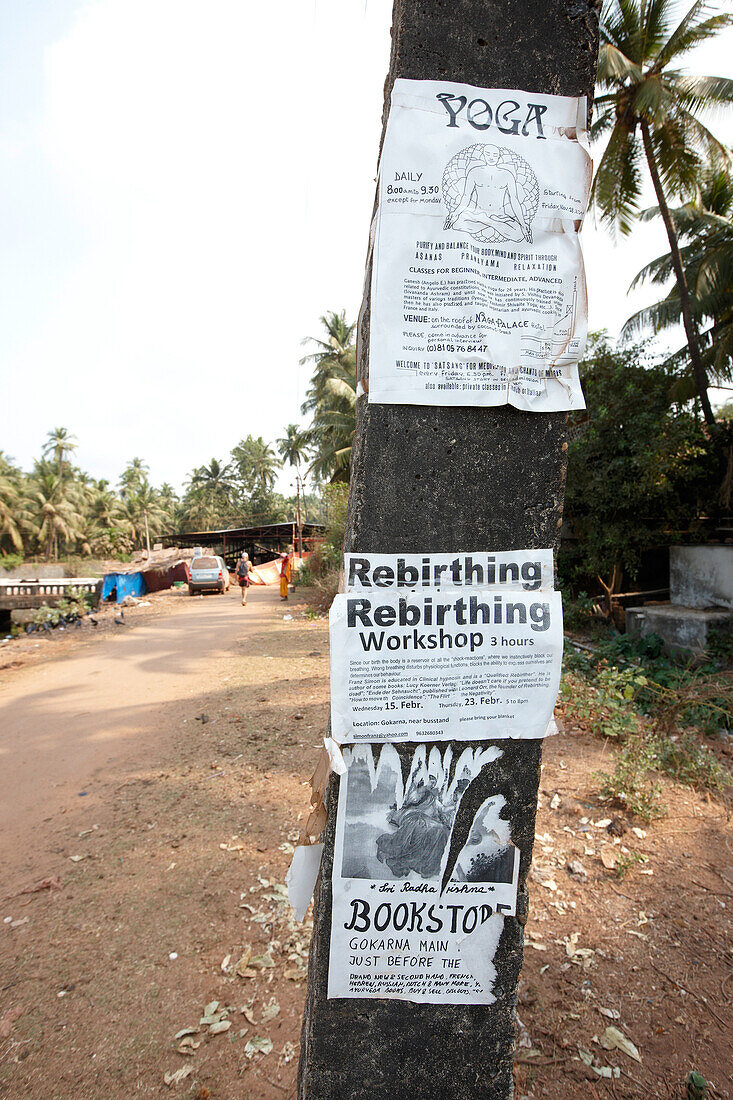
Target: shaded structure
[(260, 541)]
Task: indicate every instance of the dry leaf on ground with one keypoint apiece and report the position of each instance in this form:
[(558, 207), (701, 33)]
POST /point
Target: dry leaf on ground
[(270, 1011), (613, 1039), (257, 1045), (218, 1028), (177, 1076)]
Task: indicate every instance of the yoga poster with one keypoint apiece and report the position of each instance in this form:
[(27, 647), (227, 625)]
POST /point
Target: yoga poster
[(478, 288)]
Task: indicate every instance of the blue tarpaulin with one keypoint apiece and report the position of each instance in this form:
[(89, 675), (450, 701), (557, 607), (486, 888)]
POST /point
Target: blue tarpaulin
[(123, 584)]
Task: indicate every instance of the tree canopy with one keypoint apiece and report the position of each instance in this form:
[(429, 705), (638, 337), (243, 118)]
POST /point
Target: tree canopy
[(651, 111)]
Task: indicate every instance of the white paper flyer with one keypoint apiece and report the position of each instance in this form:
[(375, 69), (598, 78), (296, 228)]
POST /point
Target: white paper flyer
[(416, 917), (421, 666), (531, 570), (478, 288)]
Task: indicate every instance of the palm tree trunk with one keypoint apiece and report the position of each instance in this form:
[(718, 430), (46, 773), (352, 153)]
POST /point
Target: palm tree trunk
[(147, 532), (701, 379)]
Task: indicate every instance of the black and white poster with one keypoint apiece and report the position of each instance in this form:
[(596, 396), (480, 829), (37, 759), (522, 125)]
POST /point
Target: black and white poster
[(412, 660), (415, 916), (478, 288)]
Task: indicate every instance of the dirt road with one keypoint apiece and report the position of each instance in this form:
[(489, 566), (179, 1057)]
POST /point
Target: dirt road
[(151, 787), (67, 725), (157, 774)]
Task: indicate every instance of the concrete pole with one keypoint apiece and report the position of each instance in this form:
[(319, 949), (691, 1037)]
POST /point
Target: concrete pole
[(299, 520), (438, 480)]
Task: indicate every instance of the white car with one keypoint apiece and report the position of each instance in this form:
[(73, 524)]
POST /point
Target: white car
[(208, 574)]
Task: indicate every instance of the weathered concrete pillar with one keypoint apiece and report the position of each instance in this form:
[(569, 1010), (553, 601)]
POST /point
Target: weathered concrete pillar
[(436, 480)]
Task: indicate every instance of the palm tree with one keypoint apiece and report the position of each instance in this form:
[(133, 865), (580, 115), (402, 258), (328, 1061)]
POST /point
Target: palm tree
[(293, 446), (60, 443), (704, 227), (651, 109), (107, 528), (334, 357), (215, 478), (294, 449), (134, 475), (257, 464), (143, 511), (13, 512), (168, 499), (331, 398), (54, 506), (332, 429), (200, 511)]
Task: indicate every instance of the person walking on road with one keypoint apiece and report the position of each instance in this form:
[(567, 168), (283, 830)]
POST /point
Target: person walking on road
[(243, 576), (286, 572)]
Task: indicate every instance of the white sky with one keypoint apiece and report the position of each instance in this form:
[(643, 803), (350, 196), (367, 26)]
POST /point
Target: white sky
[(186, 187)]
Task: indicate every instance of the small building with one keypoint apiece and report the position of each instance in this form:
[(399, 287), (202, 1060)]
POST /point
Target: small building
[(262, 541)]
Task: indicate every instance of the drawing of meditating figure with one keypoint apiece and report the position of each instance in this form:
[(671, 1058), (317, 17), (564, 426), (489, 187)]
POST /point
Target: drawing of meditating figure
[(490, 200), (423, 828)]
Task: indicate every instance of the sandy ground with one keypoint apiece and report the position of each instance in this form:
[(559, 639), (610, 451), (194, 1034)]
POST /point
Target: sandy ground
[(153, 779)]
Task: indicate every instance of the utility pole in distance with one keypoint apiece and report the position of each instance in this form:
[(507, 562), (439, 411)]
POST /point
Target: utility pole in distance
[(436, 480)]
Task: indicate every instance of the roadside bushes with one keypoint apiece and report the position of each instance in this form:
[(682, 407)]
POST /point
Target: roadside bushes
[(68, 610), (625, 689)]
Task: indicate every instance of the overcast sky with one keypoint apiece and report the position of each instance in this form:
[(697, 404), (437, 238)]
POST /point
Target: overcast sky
[(185, 188)]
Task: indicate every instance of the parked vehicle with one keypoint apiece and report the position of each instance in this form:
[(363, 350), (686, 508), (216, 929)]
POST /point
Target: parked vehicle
[(208, 574)]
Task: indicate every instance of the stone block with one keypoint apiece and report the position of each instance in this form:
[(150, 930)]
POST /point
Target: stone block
[(701, 576), (682, 629)]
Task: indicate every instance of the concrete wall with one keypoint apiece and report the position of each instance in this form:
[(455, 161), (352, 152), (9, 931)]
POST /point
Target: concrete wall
[(701, 576)]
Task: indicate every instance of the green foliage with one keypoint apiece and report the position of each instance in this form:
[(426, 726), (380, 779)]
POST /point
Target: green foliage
[(641, 87), (577, 613), (633, 783), (626, 669), (651, 111), (720, 645), (696, 1085), (294, 446), (65, 610), (602, 704), (639, 470), (331, 398), (10, 561), (321, 572), (704, 226), (625, 862), (336, 498), (627, 690), (256, 465), (690, 763)]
